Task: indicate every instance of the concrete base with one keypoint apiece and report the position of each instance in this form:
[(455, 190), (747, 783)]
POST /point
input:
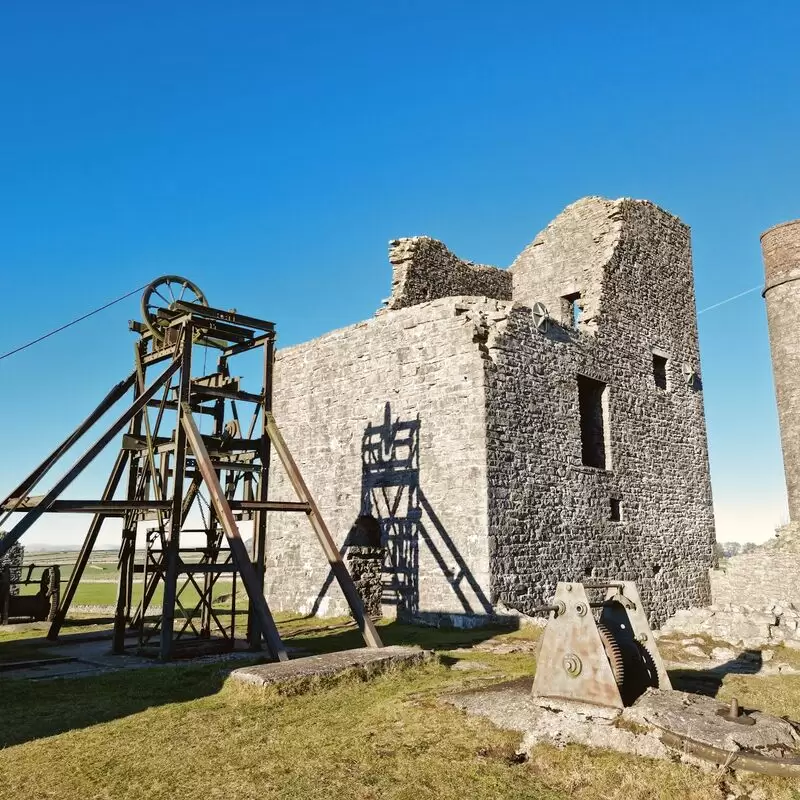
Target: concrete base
[(365, 661)]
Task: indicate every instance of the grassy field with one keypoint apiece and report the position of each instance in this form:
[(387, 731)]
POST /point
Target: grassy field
[(98, 585), (189, 731)]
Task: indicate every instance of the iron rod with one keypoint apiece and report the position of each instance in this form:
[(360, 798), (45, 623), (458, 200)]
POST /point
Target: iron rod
[(13, 536), (25, 487)]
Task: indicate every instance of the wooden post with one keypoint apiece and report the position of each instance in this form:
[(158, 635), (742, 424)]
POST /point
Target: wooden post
[(239, 552)]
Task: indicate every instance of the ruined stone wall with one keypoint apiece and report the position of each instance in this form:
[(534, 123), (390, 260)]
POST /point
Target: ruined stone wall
[(424, 269), (766, 577), (568, 257), (549, 514), (387, 418), (456, 423)]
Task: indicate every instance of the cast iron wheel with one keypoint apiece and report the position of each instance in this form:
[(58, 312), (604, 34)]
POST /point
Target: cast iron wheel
[(164, 292)]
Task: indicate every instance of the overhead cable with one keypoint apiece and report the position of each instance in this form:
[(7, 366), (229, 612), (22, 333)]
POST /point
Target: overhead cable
[(70, 324)]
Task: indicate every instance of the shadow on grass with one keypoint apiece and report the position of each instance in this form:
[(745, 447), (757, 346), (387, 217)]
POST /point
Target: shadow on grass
[(37, 709), (709, 681), (347, 636)]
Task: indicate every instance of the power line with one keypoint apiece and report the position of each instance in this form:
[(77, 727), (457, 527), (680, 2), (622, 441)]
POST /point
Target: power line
[(70, 324), (142, 288), (729, 299)]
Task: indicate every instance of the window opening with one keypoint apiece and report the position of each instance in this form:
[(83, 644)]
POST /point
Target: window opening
[(571, 309), (660, 371), (616, 510), (593, 430)]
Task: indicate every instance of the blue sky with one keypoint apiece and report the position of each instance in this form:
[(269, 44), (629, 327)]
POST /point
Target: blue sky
[(269, 151)]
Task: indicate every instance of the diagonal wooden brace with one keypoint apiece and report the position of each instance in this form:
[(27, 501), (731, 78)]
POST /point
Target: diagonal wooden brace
[(338, 568), (238, 550)]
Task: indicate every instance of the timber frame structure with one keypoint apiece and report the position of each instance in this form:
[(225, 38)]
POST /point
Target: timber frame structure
[(165, 475)]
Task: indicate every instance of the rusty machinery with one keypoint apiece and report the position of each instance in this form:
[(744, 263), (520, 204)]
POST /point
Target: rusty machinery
[(39, 606), (166, 467), (598, 656), (601, 652)]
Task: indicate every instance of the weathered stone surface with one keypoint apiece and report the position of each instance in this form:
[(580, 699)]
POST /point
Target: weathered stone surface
[(365, 660), (456, 424), (424, 269), (696, 717), (781, 250), (737, 624), (549, 513), (510, 706), (765, 578)]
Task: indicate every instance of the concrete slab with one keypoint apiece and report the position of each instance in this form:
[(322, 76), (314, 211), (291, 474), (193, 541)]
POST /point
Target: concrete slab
[(365, 660)]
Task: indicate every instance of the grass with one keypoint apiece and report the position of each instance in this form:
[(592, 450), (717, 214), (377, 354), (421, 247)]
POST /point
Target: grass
[(183, 731)]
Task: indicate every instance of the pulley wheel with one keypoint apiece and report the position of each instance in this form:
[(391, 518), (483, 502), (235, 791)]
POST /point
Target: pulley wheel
[(163, 293)]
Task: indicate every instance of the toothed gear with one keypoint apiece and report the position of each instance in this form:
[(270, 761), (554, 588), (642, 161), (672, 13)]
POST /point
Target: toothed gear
[(613, 652)]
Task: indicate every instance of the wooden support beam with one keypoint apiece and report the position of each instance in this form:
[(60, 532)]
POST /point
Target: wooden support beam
[(172, 556), (87, 547), (238, 550), (31, 480), (12, 537)]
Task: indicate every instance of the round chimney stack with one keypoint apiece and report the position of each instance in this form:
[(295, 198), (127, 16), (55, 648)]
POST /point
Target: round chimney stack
[(781, 251)]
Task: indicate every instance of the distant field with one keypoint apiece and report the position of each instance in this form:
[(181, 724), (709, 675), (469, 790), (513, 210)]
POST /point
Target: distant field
[(98, 586)]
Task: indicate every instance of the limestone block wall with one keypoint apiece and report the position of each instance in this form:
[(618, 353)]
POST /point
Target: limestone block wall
[(757, 579), (550, 515), (387, 419), (766, 577), (568, 257), (424, 269)]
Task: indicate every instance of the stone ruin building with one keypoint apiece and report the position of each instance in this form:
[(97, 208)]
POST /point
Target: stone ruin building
[(493, 431)]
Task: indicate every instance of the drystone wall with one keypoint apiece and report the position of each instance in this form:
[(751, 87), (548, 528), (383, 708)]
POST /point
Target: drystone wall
[(550, 515), (756, 597), (569, 257), (765, 578), (424, 269), (386, 419)]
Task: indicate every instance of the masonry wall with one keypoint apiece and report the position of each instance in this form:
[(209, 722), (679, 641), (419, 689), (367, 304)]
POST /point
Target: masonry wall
[(387, 419), (424, 269), (781, 251), (764, 578), (549, 515)]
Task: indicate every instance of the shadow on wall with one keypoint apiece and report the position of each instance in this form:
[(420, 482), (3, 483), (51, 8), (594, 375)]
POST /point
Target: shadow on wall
[(395, 519)]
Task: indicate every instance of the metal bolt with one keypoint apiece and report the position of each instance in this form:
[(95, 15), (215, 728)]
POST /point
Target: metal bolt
[(572, 665), (734, 714)]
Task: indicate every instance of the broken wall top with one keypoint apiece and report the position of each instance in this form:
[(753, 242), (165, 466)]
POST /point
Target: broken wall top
[(568, 262)]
